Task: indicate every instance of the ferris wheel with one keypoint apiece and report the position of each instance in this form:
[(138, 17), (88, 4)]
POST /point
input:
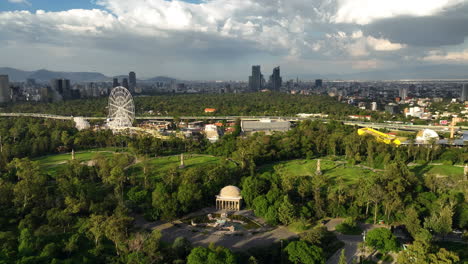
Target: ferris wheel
[(121, 108)]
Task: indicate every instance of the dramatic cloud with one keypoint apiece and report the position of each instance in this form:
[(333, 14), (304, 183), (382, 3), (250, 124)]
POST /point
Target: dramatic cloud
[(446, 28), (222, 38), (367, 11)]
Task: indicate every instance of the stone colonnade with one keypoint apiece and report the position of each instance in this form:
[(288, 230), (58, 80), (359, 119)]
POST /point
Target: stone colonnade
[(228, 204)]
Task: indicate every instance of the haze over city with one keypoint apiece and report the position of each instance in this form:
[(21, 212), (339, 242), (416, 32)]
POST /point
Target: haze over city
[(221, 39)]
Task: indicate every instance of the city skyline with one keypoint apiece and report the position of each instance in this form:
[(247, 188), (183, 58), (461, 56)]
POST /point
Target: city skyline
[(219, 40)]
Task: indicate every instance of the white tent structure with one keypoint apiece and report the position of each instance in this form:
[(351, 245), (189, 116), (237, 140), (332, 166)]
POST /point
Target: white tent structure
[(426, 135)]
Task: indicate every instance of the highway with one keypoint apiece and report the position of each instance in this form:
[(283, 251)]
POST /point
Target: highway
[(286, 118)]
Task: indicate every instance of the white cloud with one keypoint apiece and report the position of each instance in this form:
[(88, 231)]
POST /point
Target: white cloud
[(365, 11), (365, 64), (440, 56), (24, 2), (358, 45), (172, 34), (383, 44)]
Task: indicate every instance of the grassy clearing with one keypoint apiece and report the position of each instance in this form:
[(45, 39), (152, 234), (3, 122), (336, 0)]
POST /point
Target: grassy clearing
[(350, 174), (52, 163), (332, 169), (162, 164), (441, 170), (190, 161)]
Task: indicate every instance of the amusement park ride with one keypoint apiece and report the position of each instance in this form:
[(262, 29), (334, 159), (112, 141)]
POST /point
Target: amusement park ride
[(381, 137), (121, 108), (424, 136)]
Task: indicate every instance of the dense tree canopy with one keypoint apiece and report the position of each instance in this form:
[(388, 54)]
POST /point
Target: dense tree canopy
[(83, 213)]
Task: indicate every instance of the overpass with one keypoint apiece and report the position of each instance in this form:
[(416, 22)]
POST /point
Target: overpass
[(47, 116), (253, 118)]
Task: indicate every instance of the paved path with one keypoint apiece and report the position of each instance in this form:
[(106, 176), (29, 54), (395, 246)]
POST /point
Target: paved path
[(351, 248), (235, 242), (351, 241)]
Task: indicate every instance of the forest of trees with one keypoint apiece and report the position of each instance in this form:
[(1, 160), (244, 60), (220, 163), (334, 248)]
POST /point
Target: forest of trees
[(247, 104), (85, 214)]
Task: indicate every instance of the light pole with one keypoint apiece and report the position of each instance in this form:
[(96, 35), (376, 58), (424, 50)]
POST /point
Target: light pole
[(281, 251)]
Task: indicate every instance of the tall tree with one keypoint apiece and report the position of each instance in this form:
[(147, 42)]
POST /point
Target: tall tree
[(342, 259), (421, 252), (300, 252), (440, 222), (382, 240)]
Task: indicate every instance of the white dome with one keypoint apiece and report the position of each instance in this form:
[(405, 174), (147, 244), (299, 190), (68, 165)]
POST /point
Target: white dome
[(231, 192), (426, 135)]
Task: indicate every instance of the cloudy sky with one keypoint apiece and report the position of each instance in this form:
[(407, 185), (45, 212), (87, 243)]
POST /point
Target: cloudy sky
[(221, 39)]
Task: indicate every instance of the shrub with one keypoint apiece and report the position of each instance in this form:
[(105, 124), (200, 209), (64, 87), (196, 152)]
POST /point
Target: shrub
[(349, 227), (382, 240)]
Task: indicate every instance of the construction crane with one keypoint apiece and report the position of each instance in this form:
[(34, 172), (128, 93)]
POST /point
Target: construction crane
[(381, 137)]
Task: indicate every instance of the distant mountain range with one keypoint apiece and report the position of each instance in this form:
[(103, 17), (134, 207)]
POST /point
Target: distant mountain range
[(43, 75), (438, 71)]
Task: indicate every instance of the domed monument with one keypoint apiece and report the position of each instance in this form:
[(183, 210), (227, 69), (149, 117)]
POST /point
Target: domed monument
[(229, 198)]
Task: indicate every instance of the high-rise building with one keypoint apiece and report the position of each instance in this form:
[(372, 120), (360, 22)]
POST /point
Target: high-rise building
[(256, 80), (403, 93), (275, 79), (125, 82), (392, 109), (5, 93), (464, 93), (318, 83), (374, 106), (132, 82), (45, 94), (62, 87), (115, 83)]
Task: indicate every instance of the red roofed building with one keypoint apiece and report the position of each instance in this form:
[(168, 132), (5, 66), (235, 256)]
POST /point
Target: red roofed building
[(210, 110)]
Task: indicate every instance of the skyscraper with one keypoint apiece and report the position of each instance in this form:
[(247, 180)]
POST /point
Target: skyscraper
[(5, 94), (403, 93), (255, 81), (67, 92), (115, 82), (318, 83), (125, 82), (275, 79), (464, 93), (132, 82), (62, 87)]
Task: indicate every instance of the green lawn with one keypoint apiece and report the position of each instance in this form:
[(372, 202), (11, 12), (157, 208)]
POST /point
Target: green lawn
[(52, 163), (162, 164), (442, 170), (331, 169), (190, 161), (349, 173)]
